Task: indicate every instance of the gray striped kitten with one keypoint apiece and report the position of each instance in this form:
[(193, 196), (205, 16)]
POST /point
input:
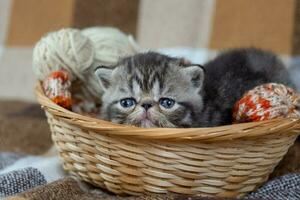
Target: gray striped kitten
[(154, 90)]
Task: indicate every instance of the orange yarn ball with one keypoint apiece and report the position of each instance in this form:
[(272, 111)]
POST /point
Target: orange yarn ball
[(267, 101), (57, 87)]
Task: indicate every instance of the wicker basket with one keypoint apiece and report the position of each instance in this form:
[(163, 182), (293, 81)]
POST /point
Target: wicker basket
[(225, 161)]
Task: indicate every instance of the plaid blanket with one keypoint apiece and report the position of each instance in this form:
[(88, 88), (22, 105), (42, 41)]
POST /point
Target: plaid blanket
[(30, 168)]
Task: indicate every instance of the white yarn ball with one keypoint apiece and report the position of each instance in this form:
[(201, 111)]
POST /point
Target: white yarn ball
[(110, 45), (65, 49)]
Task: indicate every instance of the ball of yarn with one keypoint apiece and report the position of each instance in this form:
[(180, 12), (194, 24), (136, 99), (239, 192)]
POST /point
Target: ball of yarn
[(65, 49), (57, 87), (267, 101), (110, 45)]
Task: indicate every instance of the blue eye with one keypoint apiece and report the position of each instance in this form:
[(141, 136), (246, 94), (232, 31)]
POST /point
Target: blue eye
[(166, 102), (127, 102)]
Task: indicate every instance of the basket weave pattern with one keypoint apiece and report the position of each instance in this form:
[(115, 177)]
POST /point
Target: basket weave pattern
[(226, 161)]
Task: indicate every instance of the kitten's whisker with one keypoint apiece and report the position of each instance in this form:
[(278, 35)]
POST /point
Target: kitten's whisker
[(161, 120), (133, 118)]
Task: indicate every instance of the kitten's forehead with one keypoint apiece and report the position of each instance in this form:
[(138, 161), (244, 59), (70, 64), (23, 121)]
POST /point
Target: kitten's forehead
[(147, 70)]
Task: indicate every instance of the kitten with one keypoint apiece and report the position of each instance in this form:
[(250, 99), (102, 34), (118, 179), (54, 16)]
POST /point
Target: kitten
[(233, 73), (154, 90)]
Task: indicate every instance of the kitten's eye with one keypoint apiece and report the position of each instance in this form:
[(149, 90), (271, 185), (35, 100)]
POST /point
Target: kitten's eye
[(166, 102), (128, 102)]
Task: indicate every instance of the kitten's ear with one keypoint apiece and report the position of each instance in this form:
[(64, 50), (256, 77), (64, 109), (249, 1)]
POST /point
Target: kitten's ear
[(104, 76), (196, 74)]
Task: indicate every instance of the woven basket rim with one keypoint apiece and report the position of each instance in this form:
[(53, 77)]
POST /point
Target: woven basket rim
[(219, 133)]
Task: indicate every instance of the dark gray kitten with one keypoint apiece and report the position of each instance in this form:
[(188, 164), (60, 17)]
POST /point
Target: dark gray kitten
[(154, 90)]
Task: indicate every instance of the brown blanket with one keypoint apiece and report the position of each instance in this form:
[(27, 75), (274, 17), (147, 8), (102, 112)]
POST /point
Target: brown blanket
[(70, 188), (23, 128)]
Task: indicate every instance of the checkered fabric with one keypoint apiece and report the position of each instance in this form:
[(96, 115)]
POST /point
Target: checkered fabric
[(283, 188), (19, 181)]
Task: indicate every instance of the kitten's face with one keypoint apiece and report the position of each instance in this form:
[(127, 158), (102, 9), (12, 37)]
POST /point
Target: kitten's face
[(151, 90)]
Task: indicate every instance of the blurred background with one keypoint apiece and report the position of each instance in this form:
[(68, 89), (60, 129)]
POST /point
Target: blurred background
[(192, 27)]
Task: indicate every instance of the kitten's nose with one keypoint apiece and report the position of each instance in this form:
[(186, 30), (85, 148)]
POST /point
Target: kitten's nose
[(146, 106)]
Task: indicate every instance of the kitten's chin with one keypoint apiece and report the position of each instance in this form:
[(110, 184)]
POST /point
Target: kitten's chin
[(146, 123)]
